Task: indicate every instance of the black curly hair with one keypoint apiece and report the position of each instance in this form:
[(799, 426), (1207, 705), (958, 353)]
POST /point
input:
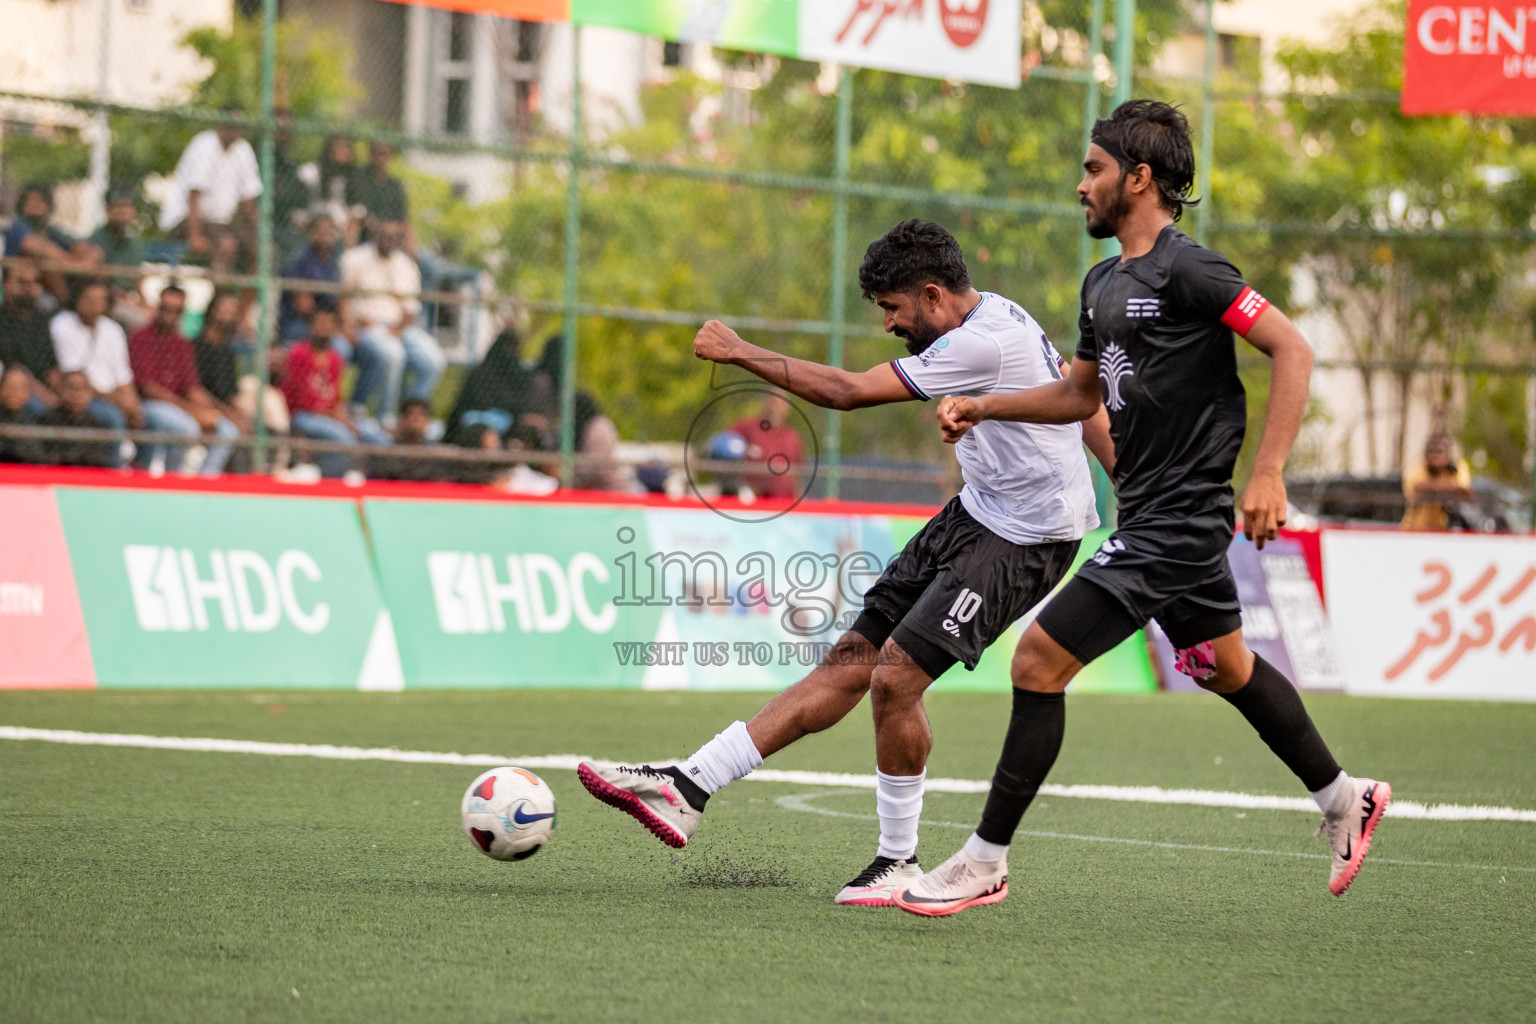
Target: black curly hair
[(910, 255), (1156, 134)]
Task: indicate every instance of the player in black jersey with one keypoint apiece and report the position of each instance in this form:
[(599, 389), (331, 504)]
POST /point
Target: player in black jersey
[(1156, 349)]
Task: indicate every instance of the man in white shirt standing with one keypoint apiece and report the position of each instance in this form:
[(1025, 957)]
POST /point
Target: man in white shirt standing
[(86, 339), (212, 202), (382, 288), (976, 568)]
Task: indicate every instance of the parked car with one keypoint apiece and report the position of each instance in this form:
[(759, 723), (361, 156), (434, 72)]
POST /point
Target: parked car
[(1362, 500)]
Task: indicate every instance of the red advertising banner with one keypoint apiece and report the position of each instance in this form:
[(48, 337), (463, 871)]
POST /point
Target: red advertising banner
[(42, 632), (1470, 60)]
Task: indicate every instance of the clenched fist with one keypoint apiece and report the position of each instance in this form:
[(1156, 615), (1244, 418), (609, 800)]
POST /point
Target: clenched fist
[(716, 342), (958, 414)]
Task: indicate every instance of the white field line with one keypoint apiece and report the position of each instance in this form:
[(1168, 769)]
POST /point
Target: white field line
[(801, 802), (568, 762)]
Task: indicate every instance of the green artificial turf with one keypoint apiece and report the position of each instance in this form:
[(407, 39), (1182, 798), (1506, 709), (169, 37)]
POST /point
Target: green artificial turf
[(144, 885)]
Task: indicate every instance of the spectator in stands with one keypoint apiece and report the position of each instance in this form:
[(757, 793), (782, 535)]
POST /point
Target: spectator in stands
[(318, 260), (594, 433), (772, 442), (292, 195), (415, 421), (78, 407), (212, 200), (312, 387), (33, 233), (382, 288), (1437, 489), (118, 240), (174, 399), (25, 342), (498, 391), (86, 339), (234, 395), (373, 194), (16, 410), (337, 165)]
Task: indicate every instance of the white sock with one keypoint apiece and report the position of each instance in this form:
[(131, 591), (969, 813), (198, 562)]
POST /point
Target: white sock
[(982, 850), (723, 760), (899, 802), (1326, 795)]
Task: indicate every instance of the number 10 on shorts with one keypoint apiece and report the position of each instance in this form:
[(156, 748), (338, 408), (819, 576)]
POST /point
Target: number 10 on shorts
[(963, 610)]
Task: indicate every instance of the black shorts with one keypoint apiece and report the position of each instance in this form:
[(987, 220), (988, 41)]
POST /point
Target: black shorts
[(1178, 577), (956, 587)]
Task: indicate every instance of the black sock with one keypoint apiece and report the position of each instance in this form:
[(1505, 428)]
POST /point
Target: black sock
[(1034, 740), (1273, 707)]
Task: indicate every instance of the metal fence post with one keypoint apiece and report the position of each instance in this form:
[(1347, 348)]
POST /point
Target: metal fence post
[(1087, 247), (1125, 48), (1207, 127), (572, 272), (265, 295), (837, 275)]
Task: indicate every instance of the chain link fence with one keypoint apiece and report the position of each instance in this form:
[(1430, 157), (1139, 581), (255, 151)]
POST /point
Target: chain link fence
[(402, 228)]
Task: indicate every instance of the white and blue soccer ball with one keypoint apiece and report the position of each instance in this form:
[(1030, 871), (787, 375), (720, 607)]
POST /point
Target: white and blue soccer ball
[(508, 813)]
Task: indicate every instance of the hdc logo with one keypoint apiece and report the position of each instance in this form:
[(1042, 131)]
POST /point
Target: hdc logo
[(469, 592), (170, 594)]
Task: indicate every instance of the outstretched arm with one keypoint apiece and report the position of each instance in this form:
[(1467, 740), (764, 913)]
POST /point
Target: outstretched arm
[(826, 386), (1264, 499), (1074, 398)]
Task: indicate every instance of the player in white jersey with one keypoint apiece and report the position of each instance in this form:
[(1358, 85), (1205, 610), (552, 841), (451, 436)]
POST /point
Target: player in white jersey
[(977, 567)]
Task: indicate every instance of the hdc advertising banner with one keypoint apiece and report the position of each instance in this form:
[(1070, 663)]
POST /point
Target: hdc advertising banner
[(1434, 615), (42, 633), (497, 595), (1470, 59), (185, 589)]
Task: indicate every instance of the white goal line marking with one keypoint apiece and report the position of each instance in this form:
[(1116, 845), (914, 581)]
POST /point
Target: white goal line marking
[(568, 762)]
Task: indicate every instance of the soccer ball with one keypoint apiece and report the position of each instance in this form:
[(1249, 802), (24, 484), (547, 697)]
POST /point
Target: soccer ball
[(508, 813)]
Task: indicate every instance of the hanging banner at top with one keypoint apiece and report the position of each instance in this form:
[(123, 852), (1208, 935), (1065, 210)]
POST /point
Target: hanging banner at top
[(1470, 60), (963, 40)]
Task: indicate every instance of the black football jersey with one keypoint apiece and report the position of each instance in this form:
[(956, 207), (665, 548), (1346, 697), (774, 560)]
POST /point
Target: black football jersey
[(1160, 328)]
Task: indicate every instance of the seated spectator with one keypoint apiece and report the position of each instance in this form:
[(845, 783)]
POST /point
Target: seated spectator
[(234, 394), (16, 410), (118, 240), (318, 260), (773, 443), (373, 194), (415, 421), (86, 339), (594, 433), (292, 193), (334, 171), (1438, 489), (212, 200), (496, 392), (174, 400), (312, 386), (78, 407), (33, 233), (382, 288), (25, 342)]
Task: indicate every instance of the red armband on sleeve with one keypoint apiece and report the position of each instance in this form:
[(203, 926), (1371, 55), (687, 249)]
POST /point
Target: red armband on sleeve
[(1245, 311)]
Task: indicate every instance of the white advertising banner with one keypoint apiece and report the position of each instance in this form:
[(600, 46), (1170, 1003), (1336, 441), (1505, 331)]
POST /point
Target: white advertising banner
[(965, 40), (1433, 615)]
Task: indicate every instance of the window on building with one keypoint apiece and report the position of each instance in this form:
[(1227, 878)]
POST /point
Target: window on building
[(452, 32), (671, 55), (520, 51)]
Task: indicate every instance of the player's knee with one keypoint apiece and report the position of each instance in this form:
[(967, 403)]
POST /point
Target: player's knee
[(1040, 665), (896, 681)]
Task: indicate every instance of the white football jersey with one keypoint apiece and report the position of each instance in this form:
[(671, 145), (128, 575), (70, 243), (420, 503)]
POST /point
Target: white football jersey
[(1026, 482)]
